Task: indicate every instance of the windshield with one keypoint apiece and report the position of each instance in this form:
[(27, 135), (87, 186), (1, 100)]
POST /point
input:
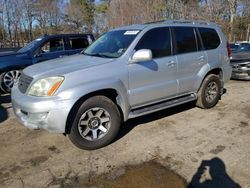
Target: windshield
[(112, 44), (234, 46), (29, 45)]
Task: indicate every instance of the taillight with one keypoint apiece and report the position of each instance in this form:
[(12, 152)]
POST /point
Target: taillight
[(229, 51)]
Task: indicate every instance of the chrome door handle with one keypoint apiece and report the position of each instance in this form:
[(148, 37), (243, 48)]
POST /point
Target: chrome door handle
[(171, 63)]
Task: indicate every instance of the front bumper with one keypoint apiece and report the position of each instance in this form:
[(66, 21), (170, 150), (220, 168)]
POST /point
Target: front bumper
[(41, 113)]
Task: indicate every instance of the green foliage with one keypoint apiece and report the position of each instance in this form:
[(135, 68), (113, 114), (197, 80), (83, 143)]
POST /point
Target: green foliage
[(102, 7), (88, 9)]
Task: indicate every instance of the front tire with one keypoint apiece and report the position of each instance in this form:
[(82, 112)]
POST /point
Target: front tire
[(7, 80), (96, 123), (209, 93)]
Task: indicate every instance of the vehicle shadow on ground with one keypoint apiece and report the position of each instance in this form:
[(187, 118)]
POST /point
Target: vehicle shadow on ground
[(3, 110), (211, 174), (132, 123)]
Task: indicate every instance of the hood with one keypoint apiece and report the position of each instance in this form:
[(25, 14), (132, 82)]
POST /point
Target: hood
[(10, 58), (7, 53), (61, 66)]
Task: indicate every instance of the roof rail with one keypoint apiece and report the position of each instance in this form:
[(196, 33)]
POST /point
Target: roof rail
[(194, 22), (153, 22)]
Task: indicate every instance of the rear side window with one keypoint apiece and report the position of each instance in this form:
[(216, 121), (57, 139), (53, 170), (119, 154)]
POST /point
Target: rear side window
[(210, 38), (185, 40), (158, 41), (78, 43)]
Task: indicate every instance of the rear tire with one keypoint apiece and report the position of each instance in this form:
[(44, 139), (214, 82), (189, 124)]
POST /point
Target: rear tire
[(96, 123), (209, 93)]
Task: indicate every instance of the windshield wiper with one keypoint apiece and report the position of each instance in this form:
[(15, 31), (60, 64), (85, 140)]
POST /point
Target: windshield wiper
[(97, 55)]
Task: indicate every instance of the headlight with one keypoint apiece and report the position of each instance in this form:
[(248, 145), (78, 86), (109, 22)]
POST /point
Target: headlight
[(45, 87)]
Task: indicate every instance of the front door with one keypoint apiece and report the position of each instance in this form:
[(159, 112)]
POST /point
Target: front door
[(51, 49), (156, 79)]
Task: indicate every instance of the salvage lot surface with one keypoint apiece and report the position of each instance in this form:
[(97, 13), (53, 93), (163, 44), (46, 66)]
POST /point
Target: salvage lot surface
[(181, 138)]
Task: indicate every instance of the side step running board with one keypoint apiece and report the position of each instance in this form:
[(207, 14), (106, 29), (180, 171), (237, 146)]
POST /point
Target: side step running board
[(162, 105)]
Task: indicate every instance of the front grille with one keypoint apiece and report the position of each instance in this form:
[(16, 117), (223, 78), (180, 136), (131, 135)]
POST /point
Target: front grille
[(242, 65), (24, 82)]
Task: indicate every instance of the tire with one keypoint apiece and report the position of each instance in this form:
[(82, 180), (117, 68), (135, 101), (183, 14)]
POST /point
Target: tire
[(7, 80), (209, 92), (1, 80), (96, 123)]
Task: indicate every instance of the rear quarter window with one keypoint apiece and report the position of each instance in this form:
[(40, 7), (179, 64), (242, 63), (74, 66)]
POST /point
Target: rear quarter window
[(209, 38)]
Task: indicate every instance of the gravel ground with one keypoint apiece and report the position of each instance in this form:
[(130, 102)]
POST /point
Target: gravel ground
[(209, 148)]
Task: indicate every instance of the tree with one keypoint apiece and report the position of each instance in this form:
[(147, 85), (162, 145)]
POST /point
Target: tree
[(29, 15), (233, 4), (48, 15), (87, 8)]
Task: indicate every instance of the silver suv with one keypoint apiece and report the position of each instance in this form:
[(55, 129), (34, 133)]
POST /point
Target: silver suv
[(128, 72)]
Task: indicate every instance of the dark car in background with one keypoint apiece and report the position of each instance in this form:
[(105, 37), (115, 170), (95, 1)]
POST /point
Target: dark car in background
[(240, 62), (234, 46), (41, 49)]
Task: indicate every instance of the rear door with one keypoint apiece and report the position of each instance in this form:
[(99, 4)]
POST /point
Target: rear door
[(156, 79), (211, 42), (191, 58), (76, 44)]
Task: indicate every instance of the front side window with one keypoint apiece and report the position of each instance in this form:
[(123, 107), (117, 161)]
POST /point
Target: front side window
[(78, 43), (210, 38), (53, 45), (112, 44), (158, 41), (185, 41)]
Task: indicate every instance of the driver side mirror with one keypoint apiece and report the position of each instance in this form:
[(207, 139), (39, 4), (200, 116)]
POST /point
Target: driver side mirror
[(142, 55)]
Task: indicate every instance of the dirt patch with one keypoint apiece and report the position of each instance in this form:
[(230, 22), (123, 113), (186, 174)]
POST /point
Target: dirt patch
[(54, 149), (15, 168), (4, 176), (36, 161), (243, 124), (146, 175), (179, 138), (217, 150), (246, 111)]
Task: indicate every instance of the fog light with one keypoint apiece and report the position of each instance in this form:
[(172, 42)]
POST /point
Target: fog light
[(38, 116)]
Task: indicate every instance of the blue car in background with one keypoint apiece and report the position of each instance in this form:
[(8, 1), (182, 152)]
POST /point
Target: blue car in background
[(41, 49)]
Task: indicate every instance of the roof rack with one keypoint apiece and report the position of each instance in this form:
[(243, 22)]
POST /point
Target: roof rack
[(159, 21), (194, 22)]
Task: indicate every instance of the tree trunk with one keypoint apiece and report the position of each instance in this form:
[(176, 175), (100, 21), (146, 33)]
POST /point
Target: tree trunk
[(232, 8), (248, 32)]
